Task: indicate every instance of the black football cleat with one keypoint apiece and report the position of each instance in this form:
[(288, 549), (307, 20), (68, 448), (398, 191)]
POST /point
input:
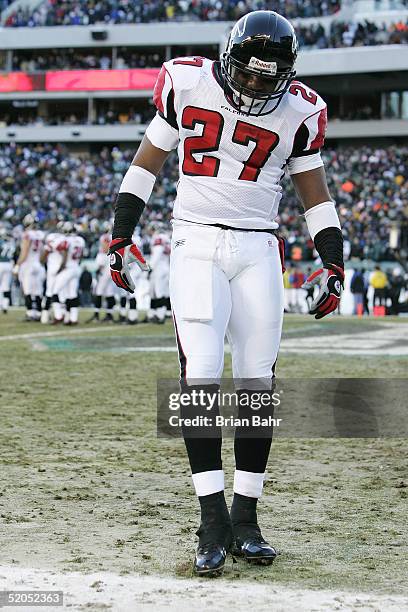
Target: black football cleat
[(108, 318), (249, 544), (247, 537), (93, 318), (213, 547), (215, 536)]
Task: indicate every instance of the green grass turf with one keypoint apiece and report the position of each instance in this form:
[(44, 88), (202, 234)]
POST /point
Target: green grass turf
[(86, 485)]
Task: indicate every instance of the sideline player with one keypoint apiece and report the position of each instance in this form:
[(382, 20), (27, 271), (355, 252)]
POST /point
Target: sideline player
[(7, 252), (159, 275), (238, 124), (30, 272), (52, 256), (67, 279), (104, 286)]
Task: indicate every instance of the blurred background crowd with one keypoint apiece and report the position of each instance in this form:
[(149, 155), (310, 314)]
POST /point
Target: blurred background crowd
[(370, 186), (85, 12)]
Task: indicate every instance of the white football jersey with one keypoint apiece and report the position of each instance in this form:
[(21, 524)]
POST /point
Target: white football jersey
[(36, 240), (55, 244), (76, 246), (230, 163)]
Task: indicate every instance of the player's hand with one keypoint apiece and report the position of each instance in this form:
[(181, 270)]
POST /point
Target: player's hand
[(122, 252), (330, 280), (16, 269)]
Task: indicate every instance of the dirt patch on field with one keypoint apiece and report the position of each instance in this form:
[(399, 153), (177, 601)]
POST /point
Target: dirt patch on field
[(86, 485)]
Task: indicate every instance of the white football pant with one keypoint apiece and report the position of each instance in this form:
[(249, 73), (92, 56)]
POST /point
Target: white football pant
[(226, 282)]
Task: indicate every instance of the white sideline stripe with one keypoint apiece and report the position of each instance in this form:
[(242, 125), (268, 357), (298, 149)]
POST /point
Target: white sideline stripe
[(64, 332), (130, 592), (386, 341)]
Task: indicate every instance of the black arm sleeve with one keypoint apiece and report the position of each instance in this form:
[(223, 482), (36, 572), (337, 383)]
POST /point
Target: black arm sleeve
[(128, 210), (329, 245)]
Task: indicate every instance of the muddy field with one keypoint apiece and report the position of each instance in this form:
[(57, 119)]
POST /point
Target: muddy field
[(87, 487)]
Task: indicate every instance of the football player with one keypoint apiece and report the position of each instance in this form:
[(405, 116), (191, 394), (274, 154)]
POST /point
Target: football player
[(30, 272), (128, 311), (7, 251), (159, 275), (104, 286), (67, 279), (238, 124), (52, 255)]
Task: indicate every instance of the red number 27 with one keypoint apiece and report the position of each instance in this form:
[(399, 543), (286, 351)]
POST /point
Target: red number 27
[(209, 141)]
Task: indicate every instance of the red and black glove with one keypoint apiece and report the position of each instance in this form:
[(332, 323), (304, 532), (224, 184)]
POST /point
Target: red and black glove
[(122, 252), (331, 282)]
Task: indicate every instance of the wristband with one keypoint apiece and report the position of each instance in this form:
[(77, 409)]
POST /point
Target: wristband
[(320, 217), (138, 182), (135, 190)]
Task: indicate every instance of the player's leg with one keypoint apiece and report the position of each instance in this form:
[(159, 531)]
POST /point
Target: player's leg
[(49, 293), (58, 298), (161, 290), (254, 333), (152, 311), (122, 306), (201, 302), (133, 315), (5, 285), (74, 296), (26, 282)]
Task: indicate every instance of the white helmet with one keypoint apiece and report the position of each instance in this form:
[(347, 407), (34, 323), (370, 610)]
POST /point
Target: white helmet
[(68, 227), (29, 220)]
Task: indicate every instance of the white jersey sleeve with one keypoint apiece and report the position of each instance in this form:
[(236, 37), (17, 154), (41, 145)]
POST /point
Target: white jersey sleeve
[(175, 76), (310, 134)]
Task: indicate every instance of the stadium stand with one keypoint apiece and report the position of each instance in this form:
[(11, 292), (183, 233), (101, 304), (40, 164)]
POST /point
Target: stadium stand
[(364, 86), (56, 184), (82, 12)]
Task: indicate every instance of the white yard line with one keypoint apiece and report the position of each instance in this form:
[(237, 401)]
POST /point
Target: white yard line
[(129, 593), (385, 341), (63, 332)]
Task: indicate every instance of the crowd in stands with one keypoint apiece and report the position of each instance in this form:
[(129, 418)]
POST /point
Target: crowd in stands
[(370, 187), (352, 34), (103, 117), (86, 12), (310, 37), (134, 116), (83, 59)]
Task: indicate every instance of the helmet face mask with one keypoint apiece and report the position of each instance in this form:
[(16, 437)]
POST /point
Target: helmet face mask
[(257, 65)]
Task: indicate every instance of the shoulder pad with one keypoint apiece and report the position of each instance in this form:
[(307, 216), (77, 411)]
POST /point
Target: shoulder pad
[(185, 72), (303, 99)]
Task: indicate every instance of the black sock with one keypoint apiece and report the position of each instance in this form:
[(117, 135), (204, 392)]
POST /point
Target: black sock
[(97, 299), (204, 453), (214, 507), (252, 444), (243, 509)]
